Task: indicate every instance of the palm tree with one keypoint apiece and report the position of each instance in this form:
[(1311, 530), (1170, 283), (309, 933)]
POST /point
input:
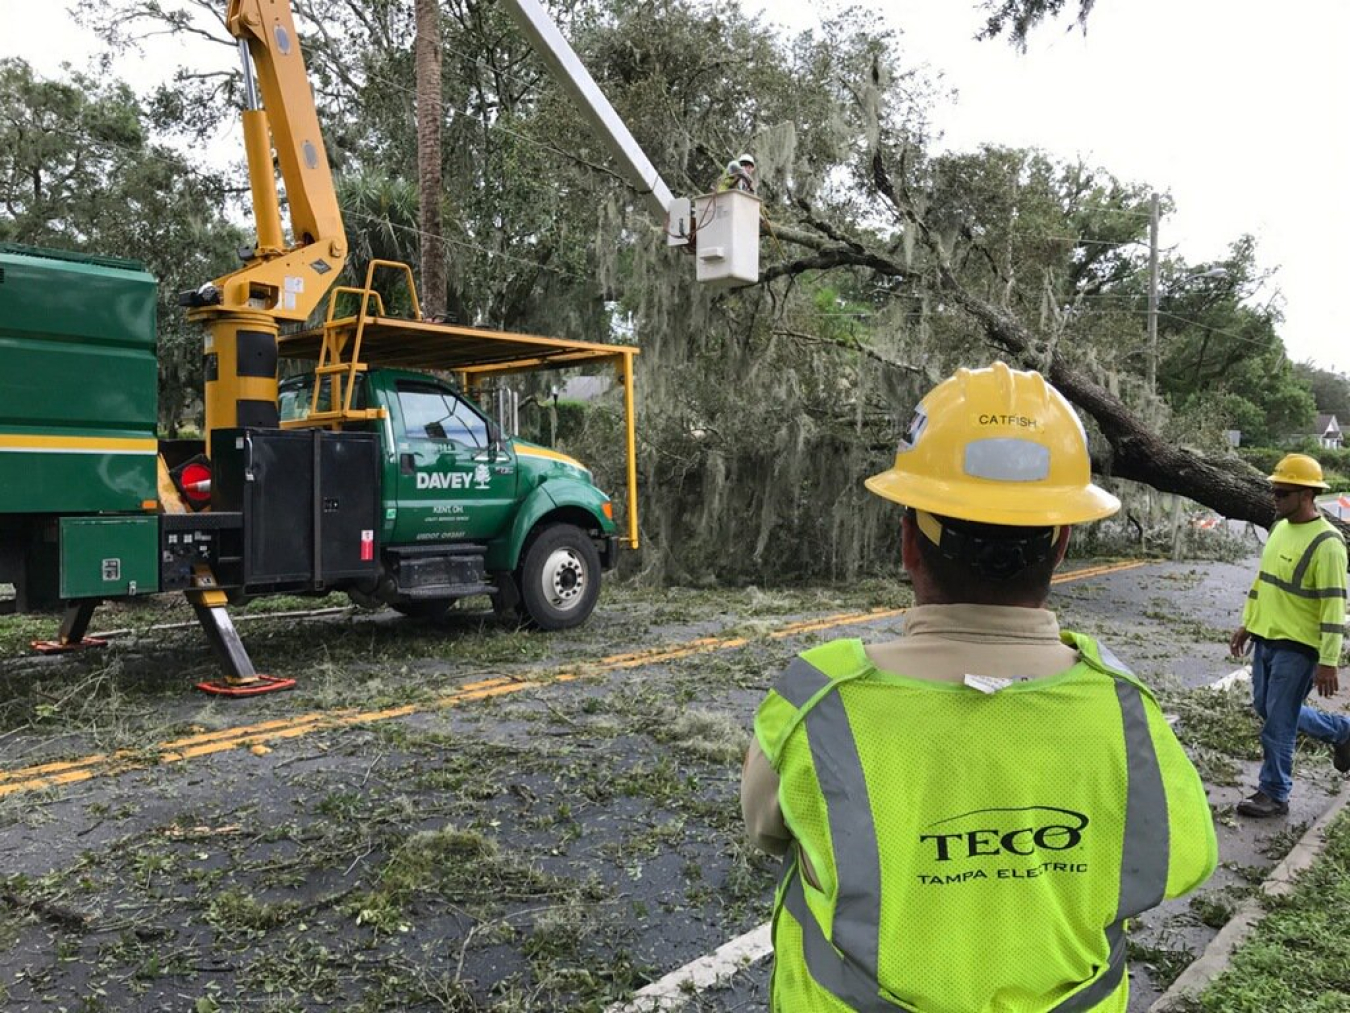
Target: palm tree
[(430, 110)]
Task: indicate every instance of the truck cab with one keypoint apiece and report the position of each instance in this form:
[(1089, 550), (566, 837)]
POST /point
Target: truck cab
[(466, 509)]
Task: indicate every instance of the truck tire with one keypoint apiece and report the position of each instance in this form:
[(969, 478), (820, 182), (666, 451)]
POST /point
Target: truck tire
[(559, 578)]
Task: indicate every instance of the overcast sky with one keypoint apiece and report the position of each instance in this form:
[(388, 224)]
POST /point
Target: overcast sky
[(1237, 108)]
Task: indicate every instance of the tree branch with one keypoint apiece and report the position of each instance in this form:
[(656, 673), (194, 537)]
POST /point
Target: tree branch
[(851, 346)]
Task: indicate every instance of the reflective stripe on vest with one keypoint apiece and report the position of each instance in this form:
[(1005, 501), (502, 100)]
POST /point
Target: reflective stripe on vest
[(1294, 585), (845, 964)]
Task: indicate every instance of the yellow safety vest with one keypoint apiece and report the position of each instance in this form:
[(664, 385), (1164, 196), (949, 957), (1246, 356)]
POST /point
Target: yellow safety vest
[(974, 851), (1299, 593)]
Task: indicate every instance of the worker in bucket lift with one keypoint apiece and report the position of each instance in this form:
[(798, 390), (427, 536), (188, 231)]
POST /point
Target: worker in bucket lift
[(968, 815), (739, 175)]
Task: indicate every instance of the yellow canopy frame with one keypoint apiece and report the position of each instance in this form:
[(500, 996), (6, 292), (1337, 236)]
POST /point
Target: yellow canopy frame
[(346, 346)]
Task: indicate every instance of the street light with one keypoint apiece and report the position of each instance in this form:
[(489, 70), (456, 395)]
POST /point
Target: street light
[(1213, 272)]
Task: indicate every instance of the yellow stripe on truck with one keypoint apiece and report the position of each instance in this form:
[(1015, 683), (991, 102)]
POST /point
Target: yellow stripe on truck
[(551, 455), (76, 445)]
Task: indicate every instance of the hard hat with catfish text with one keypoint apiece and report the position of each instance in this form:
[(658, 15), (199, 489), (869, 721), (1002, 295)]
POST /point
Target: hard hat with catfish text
[(996, 446)]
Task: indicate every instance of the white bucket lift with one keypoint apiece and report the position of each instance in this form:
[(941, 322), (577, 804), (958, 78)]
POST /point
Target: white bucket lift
[(727, 253), (726, 238)]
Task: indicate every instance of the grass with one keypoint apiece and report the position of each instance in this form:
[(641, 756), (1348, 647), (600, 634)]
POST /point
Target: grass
[(1163, 963), (1297, 960)]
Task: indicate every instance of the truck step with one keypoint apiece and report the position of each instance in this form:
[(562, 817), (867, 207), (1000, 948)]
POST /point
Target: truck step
[(443, 549), (436, 591)]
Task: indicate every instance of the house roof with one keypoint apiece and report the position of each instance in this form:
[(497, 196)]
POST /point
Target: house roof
[(1326, 425)]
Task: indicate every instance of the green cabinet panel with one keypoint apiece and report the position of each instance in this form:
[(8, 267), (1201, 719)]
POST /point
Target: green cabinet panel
[(109, 557), (36, 481), (78, 383)]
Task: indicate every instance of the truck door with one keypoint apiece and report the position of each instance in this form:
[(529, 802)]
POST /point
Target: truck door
[(453, 484)]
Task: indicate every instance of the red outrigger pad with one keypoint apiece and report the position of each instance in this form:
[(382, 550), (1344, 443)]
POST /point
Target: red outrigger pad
[(253, 685), (56, 647)]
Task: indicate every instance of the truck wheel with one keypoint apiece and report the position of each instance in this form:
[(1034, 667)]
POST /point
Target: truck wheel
[(560, 578)]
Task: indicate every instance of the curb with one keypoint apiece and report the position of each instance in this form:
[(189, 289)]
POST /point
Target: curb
[(1214, 960)]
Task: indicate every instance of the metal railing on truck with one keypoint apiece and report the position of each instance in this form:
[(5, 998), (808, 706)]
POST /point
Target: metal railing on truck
[(346, 346)]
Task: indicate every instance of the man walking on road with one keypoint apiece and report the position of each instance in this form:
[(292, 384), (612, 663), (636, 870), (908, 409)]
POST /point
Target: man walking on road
[(968, 815), (1295, 615)]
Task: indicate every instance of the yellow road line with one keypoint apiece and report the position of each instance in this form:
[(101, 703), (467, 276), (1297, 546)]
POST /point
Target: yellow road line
[(49, 775)]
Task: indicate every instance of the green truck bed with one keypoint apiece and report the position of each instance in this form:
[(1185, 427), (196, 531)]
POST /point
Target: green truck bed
[(78, 383)]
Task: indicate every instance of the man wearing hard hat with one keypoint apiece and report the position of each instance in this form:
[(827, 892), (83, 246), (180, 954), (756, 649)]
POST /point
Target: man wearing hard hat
[(739, 175), (1295, 616), (970, 814)]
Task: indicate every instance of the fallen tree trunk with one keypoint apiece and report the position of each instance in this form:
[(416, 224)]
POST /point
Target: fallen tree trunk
[(1226, 485)]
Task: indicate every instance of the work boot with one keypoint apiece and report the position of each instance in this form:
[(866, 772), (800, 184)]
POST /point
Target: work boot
[(1340, 756), (1262, 805)]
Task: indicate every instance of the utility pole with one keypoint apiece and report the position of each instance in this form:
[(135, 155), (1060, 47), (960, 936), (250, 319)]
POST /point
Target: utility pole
[(1153, 295)]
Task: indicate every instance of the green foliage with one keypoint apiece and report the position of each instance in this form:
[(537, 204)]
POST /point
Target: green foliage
[(1330, 390), (1335, 463), (78, 170), (1018, 17), (1263, 459), (760, 410), (553, 424), (1221, 351)]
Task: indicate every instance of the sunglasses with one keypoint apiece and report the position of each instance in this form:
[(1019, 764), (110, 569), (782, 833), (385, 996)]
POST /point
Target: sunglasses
[(1282, 493)]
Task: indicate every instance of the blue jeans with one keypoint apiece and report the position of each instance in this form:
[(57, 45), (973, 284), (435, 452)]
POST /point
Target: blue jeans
[(1281, 679)]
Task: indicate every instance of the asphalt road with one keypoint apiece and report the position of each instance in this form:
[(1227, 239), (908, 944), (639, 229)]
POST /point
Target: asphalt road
[(540, 833)]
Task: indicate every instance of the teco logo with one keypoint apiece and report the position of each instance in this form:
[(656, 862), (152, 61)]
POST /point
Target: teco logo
[(986, 833)]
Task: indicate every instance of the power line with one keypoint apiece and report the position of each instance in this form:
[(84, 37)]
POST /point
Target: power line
[(1187, 320)]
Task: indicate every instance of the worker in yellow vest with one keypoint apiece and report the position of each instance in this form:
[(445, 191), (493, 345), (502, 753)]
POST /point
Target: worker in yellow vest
[(739, 175), (969, 815), (1295, 616)]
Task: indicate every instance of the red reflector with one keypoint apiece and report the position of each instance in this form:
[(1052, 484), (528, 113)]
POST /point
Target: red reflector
[(195, 481)]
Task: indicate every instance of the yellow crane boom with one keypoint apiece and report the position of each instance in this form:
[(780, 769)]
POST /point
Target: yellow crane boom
[(279, 282)]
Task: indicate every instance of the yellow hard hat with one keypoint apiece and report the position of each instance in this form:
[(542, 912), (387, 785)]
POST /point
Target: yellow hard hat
[(1299, 469), (996, 446)]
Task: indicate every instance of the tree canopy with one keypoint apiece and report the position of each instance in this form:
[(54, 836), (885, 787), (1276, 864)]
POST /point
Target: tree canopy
[(1016, 18), (80, 169), (886, 262)]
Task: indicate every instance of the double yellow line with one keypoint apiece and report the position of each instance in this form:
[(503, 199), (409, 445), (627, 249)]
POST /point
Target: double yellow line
[(50, 775)]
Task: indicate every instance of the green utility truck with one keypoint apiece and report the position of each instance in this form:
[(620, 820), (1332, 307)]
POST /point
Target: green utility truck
[(386, 482), (465, 510)]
